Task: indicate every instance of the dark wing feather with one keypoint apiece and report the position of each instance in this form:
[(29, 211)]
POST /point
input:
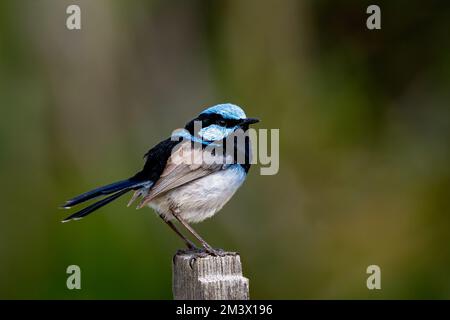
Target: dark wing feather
[(181, 169), (156, 159)]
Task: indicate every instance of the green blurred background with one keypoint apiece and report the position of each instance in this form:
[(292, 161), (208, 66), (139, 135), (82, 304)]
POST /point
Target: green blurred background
[(364, 128)]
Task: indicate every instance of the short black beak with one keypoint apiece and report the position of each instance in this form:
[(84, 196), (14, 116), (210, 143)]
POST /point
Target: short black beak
[(249, 121)]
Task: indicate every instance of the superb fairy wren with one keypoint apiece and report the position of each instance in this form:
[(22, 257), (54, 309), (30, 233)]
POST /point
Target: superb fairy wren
[(175, 183)]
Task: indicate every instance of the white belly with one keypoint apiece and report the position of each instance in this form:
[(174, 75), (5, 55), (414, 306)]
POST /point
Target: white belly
[(201, 198)]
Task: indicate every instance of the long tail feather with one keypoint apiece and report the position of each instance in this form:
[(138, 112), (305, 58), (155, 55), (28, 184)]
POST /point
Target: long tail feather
[(82, 213), (108, 189)]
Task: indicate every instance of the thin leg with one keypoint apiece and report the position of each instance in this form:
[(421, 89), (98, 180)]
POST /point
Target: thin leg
[(205, 245), (188, 242)]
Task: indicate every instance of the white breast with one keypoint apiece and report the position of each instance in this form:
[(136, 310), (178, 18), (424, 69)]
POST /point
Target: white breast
[(201, 198)]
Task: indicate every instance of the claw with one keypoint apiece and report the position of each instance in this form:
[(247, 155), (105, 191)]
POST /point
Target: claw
[(218, 252)]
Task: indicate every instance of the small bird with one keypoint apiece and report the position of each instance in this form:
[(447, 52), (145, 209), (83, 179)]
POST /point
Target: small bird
[(178, 188)]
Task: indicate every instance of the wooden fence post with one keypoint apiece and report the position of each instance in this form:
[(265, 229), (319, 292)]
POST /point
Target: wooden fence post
[(208, 277)]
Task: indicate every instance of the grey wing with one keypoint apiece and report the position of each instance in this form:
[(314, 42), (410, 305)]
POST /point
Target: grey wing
[(185, 165)]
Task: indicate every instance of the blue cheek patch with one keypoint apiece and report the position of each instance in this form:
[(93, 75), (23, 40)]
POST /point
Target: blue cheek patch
[(215, 132)]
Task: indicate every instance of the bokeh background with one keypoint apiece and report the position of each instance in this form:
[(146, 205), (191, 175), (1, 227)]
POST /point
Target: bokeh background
[(364, 128)]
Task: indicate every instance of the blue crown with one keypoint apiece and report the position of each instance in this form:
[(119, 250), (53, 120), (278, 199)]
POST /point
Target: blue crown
[(227, 110)]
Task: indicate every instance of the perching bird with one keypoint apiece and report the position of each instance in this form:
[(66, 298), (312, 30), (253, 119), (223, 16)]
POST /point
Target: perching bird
[(178, 184)]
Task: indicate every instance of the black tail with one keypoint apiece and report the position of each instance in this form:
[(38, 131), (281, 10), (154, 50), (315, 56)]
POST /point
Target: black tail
[(117, 189), (108, 189)]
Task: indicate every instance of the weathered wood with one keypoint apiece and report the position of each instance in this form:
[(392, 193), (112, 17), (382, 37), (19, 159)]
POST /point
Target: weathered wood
[(208, 277)]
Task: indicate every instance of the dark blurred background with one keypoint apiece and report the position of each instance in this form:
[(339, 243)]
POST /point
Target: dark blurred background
[(364, 128)]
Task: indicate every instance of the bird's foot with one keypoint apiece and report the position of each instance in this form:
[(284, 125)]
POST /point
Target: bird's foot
[(218, 252), (191, 246), (197, 252), (203, 253), (206, 251)]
